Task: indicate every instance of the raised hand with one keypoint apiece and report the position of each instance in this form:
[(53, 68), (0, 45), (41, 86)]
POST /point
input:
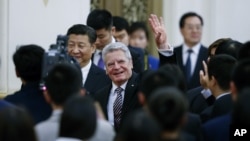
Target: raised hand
[(159, 31), (204, 76)]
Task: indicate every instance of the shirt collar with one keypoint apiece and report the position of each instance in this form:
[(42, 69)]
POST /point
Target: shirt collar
[(123, 86), (87, 67), (195, 48), (222, 95)]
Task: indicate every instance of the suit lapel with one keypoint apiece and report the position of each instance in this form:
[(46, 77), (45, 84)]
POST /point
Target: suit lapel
[(104, 99)]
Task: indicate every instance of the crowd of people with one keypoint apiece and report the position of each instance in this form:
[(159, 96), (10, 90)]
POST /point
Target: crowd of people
[(118, 91)]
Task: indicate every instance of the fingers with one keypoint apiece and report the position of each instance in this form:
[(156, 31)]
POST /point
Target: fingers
[(204, 66)]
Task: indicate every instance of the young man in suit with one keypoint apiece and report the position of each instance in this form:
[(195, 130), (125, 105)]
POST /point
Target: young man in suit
[(28, 66), (81, 46), (219, 72), (190, 54), (102, 22), (119, 98)]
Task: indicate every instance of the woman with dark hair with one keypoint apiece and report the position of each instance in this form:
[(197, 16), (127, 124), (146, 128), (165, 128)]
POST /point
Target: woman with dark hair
[(16, 125)]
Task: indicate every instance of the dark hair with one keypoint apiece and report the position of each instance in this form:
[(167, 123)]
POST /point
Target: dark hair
[(221, 67), (120, 23), (139, 126), (168, 106), (229, 47), (187, 15), (241, 112), (155, 79), (63, 80), (179, 77), (215, 44), (79, 118), (241, 75), (99, 19), (244, 52), (139, 26), (28, 62), (16, 125), (80, 29)]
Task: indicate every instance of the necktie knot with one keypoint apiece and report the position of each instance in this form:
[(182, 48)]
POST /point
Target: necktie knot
[(118, 90), (190, 51)]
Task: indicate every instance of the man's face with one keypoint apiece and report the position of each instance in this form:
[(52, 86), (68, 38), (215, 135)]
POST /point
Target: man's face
[(138, 39), (192, 30), (80, 48), (122, 36), (104, 37), (118, 67)]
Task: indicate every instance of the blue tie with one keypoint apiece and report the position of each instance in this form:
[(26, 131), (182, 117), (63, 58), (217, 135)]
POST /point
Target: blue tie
[(100, 62), (188, 65)]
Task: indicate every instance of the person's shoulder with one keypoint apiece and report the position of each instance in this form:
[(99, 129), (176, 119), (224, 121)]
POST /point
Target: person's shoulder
[(4, 104), (12, 98)]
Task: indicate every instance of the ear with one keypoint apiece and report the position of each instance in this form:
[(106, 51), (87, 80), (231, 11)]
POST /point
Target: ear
[(83, 92), (141, 98), (233, 90), (113, 30), (93, 48), (213, 81), (47, 96), (17, 73)]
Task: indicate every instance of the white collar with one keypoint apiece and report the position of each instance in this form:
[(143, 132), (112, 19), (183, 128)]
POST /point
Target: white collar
[(221, 95), (123, 86), (195, 48), (87, 67)]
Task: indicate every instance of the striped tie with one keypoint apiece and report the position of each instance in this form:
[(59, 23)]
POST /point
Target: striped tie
[(117, 107)]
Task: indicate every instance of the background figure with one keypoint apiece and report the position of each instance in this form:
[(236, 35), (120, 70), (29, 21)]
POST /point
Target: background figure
[(244, 52), (81, 46), (78, 119), (169, 107), (16, 125), (121, 34), (28, 64), (62, 81), (139, 37), (190, 54), (139, 126)]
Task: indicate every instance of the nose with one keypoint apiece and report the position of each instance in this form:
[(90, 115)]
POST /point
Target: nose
[(75, 49), (116, 66)]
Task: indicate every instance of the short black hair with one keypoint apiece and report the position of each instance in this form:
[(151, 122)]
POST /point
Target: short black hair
[(241, 75), (28, 62), (244, 52), (187, 15), (139, 26), (99, 19), (221, 67), (168, 106), (120, 23), (63, 81), (80, 29), (79, 118), (229, 47)]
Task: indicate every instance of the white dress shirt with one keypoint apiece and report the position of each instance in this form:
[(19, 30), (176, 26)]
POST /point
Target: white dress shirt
[(193, 55), (85, 71), (111, 101), (97, 53)]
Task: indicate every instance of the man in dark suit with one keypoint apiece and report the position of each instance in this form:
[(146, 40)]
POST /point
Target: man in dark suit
[(81, 39), (219, 72), (119, 98), (190, 54), (28, 64), (219, 128), (102, 22)]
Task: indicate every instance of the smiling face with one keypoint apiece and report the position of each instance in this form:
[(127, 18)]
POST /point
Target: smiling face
[(80, 48), (118, 66)]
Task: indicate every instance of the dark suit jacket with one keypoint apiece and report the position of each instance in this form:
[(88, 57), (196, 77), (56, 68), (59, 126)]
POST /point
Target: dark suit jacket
[(130, 102), (177, 59), (197, 103), (4, 104), (137, 58), (221, 106), (31, 98), (96, 79), (193, 126), (217, 129)]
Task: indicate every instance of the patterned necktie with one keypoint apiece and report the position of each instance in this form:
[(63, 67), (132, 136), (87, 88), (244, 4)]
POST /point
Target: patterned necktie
[(100, 62), (188, 65), (117, 107)]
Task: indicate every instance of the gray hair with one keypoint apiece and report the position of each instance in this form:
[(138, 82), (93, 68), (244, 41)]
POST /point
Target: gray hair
[(114, 47)]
